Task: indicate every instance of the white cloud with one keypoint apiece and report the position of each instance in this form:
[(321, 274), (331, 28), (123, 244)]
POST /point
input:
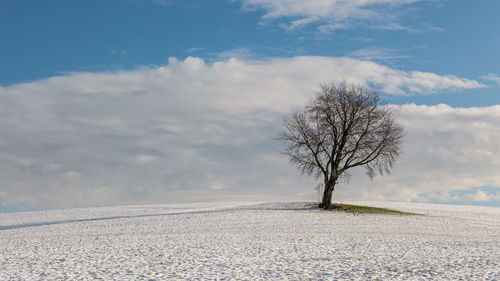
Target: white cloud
[(163, 2), (119, 52), (144, 158), (327, 28), (339, 9), (300, 23), (237, 53), (447, 149), (332, 12), (492, 77), (425, 27), (206, 133), (479, 196), (377, 54), (72, 175), (395, 26), (194, 49)]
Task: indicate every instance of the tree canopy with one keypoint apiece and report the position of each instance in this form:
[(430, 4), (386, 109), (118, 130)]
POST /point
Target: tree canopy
[(342, 127)]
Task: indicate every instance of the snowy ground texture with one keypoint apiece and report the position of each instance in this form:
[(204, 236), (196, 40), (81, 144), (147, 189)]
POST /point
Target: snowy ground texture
[(251, 241)]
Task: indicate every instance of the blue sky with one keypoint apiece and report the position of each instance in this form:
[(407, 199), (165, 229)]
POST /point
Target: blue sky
[(44, 39), (76, 75)]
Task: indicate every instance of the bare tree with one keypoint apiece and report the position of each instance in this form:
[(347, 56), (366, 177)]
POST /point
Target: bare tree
[(343, 127)]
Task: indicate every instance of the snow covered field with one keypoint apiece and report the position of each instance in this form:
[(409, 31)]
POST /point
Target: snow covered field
[(251, 241)]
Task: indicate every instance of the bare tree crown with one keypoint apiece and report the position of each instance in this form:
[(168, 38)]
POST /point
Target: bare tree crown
[(342, 127)]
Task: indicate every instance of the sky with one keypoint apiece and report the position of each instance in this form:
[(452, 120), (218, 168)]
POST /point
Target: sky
[(161, 101)]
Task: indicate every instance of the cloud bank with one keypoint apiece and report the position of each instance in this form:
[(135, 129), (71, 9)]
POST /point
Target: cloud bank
[(189, 131), (451, 154)]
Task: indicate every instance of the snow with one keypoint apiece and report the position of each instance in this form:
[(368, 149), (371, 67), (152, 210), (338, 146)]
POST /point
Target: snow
[(251, 241)]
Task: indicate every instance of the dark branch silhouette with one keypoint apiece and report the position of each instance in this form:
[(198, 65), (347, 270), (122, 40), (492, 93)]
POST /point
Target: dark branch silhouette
[(343, 127)]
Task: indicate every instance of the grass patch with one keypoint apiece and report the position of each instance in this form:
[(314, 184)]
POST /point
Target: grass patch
[(356, 209)]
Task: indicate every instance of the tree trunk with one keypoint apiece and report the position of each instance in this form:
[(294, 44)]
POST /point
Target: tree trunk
[(327, 197)]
